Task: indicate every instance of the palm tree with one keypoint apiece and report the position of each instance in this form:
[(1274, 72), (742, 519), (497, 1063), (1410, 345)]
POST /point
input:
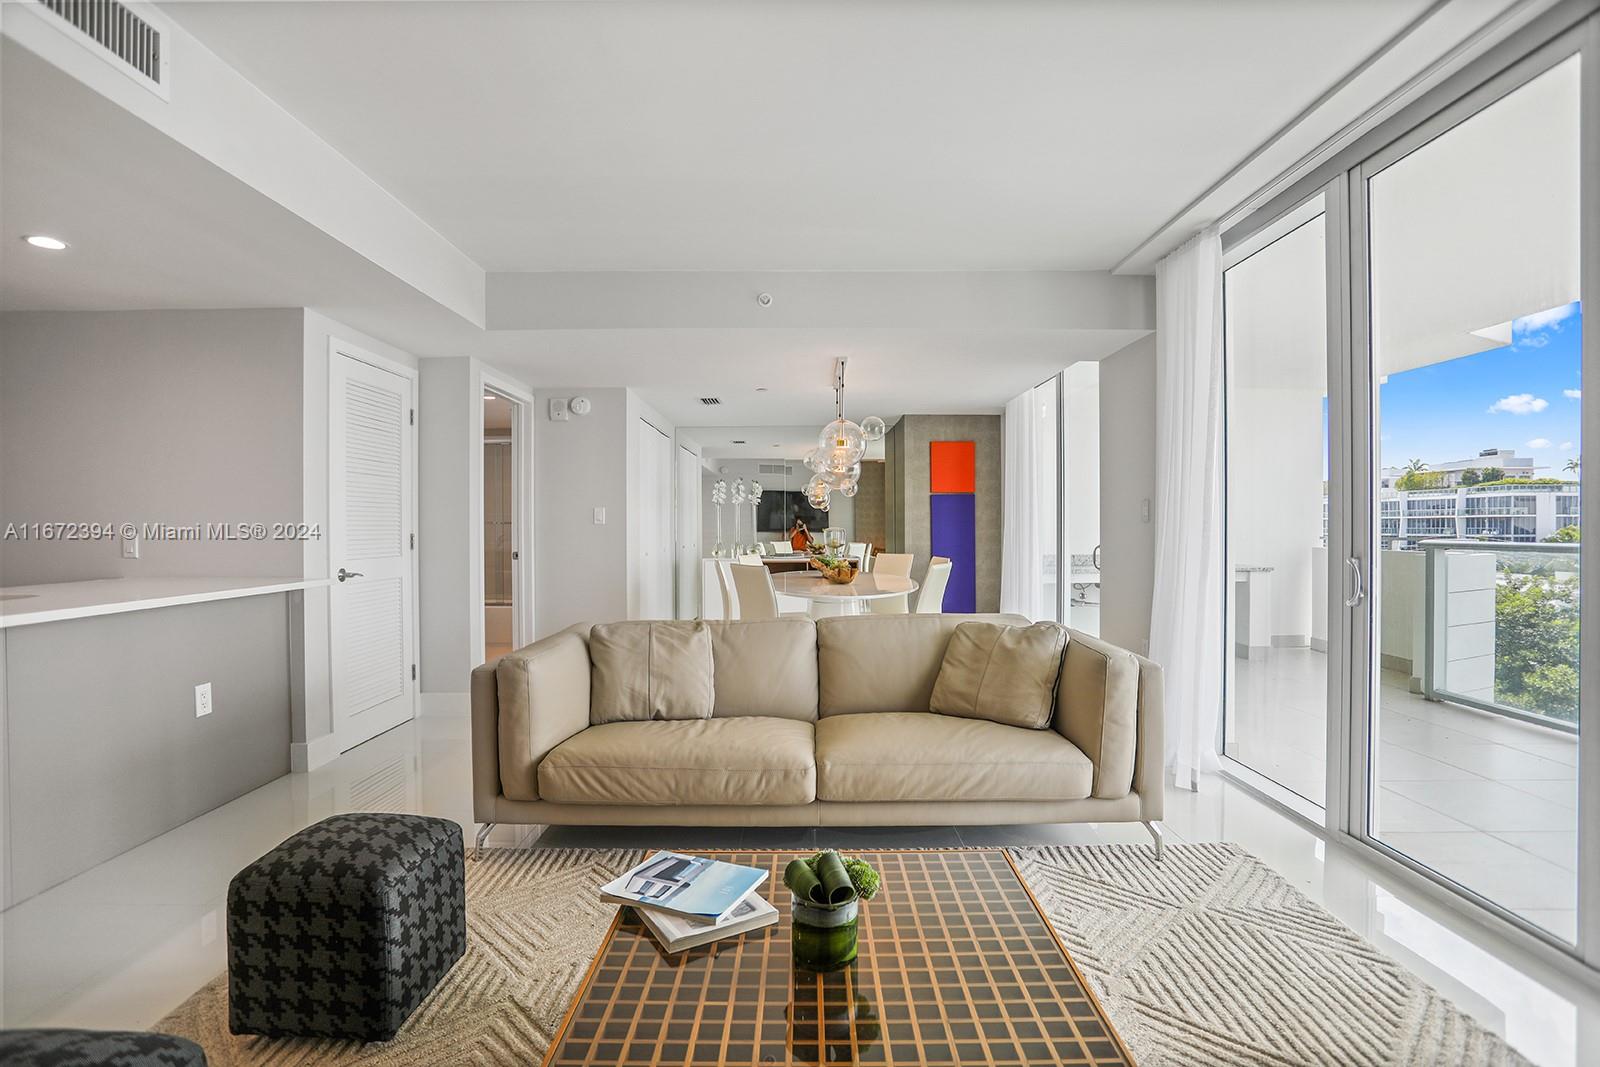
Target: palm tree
[(1574, 466), (1416, 466)]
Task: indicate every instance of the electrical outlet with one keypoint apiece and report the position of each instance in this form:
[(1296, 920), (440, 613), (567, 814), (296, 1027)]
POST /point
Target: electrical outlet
[(599, 516), (202, 700), (1144, 510)]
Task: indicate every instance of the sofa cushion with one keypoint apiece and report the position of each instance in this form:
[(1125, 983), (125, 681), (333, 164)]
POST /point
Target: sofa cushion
[(1098, 710), (884, 662), (766, 667), (754, 760), (1006, 674), (650, 670), (921, 756)]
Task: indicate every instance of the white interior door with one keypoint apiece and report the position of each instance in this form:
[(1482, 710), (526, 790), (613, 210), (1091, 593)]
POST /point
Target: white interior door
[(655, 530), (371, 481), (688, 534)]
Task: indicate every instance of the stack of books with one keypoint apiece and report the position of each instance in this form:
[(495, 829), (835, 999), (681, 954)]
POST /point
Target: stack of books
[(691, 900)]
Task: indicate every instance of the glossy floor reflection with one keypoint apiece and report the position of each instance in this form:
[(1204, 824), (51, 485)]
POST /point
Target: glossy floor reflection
[(121, 945)]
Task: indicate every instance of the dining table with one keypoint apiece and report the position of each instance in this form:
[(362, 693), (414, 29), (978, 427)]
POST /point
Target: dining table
[(846, 598)]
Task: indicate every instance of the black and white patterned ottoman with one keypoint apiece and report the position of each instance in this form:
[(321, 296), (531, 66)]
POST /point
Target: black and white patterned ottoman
[(96, 1048), (343, 929)]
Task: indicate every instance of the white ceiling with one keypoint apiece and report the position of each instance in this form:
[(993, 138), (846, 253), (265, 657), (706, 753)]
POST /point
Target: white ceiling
[(826, 135)]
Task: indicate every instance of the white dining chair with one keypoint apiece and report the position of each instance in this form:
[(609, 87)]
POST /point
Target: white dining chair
[(781, 548), (860, 551), (891, 565), (730, 606), (757, 598), (930, 598), (749, 558)]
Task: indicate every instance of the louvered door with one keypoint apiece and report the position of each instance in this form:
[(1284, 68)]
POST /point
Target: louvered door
[(372, 458)]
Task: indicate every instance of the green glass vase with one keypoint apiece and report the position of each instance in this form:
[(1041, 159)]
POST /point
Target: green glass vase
[(824, 938)]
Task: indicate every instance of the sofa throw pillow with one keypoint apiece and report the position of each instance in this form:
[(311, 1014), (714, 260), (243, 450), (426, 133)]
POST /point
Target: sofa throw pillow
[(650, 670), (1006, 674)]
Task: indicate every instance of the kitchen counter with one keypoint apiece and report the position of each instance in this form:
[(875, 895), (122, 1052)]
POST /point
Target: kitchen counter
[(26, 605)]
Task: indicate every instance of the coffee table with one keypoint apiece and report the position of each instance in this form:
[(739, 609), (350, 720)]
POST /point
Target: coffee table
[(956, 966)]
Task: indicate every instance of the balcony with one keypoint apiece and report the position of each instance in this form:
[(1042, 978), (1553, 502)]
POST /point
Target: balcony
[(1475, 734)]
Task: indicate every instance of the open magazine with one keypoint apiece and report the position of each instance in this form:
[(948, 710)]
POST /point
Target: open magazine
[(677, 933), (695, 887)]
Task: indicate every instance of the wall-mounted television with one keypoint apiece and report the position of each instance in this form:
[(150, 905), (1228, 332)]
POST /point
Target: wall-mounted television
[(778, 509)]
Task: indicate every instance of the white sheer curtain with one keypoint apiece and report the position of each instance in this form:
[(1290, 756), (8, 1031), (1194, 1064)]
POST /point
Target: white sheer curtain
[(1021, 562), (1186, 621)]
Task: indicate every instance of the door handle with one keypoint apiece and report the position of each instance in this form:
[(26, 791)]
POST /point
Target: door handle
[(344, 574), (1358, 585)]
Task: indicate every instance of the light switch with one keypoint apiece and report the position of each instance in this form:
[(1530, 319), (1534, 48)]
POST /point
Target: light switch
[(1144, 510), (599, 516), (130, 545)]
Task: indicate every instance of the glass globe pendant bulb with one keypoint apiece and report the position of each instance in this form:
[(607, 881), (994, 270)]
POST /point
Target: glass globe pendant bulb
[(849, 490), (813, 461), (841, 445), (873, 428)]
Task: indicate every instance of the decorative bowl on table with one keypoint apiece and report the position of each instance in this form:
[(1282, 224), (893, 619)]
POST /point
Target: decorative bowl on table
[(837, 571)]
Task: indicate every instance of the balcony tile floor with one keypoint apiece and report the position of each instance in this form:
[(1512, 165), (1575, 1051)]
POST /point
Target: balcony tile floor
[(124, 943), (1489, 801)]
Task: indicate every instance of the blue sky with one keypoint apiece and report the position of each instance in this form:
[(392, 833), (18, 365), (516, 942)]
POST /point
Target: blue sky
[(1523, 396)]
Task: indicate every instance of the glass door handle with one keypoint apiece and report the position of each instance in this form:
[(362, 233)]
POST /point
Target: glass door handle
[(1358, 585)]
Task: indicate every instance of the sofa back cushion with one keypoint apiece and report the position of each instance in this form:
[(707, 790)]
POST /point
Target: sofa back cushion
[(868, 663), (765, 667), (1006, 674), (650, 670)]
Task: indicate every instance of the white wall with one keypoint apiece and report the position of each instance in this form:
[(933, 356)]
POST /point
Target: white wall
[(1082, 427), (580, 572), (175, 417), (1127, 489)]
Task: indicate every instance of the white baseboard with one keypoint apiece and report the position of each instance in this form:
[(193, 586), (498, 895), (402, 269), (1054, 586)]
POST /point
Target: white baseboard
[(309, 755), (451, 705)]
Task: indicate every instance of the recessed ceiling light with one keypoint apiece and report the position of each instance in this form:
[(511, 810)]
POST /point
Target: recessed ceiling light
[(50, 244), (761, 388)]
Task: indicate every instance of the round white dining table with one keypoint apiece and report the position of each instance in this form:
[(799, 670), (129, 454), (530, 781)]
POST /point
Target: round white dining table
[(829, 598)]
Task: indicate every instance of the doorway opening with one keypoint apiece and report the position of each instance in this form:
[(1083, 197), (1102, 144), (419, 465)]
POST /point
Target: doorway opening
[(500, 553)]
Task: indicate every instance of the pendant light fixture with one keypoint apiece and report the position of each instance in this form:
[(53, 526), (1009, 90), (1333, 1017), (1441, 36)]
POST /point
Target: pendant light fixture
[(836, 461)]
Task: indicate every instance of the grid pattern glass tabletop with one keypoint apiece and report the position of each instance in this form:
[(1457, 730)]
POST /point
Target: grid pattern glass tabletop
[(956, 966)]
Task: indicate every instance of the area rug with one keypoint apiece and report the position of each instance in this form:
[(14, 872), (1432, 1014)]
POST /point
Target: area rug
[(1205, 958)]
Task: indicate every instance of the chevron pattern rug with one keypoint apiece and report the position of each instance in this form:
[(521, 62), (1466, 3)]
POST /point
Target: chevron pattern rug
[(1205, 958)]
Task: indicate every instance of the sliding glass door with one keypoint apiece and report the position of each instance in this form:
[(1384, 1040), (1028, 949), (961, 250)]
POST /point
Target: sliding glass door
[(1275, 716), (1404, 419), (1474, 336)]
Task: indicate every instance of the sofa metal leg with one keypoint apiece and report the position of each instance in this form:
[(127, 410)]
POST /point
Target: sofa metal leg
[(483, 834), (1155, 832)]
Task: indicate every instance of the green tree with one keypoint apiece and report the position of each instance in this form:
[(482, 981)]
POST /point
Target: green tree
[(1536, 645), (1419, 480), (1567, 535), (1470, 476), (1574, 466)]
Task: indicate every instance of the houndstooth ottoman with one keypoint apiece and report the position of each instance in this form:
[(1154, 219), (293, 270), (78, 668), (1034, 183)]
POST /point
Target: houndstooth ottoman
[(96, 1048), (343, 929)]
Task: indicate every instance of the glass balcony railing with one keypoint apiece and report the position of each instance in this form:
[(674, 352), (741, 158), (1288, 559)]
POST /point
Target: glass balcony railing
[(1501, 628)]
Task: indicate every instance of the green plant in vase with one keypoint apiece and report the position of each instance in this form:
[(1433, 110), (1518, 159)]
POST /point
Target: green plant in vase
[(827, 890)]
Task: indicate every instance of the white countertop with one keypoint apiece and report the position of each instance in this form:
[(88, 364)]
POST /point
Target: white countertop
[(24, 605)]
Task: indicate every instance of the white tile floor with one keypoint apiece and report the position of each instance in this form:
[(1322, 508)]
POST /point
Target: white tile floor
[(1489, 801), (121, 945)]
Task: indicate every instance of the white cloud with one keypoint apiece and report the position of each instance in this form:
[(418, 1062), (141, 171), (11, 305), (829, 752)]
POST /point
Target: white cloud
[(1552, 318), (1566, 446), (1538, 442), (1572, 394), (1519, 404)]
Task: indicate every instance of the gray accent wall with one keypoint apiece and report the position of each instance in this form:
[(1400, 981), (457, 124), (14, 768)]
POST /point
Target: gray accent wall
[(175, 417), (907, 483), (102, 747)]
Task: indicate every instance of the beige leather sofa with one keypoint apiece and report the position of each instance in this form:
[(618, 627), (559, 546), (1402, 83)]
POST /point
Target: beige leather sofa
[(816, 723)]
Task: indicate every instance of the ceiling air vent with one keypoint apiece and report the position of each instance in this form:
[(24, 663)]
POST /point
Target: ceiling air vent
[(710, 401), (130, 42), (773, 468)]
